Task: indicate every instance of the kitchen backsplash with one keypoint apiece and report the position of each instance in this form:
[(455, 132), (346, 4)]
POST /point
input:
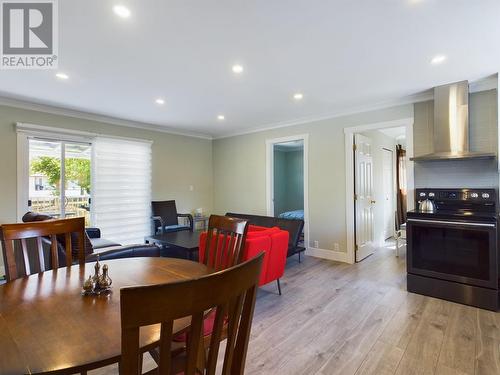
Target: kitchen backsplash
[(483, 114), (459, 173)]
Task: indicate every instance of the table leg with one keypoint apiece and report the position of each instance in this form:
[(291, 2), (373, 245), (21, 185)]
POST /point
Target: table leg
[(398, 235)]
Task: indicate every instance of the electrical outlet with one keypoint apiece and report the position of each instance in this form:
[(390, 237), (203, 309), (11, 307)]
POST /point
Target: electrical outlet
[(316, 244), (336, 247)]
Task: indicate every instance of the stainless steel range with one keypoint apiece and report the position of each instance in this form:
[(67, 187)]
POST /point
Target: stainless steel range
[(453, 249)]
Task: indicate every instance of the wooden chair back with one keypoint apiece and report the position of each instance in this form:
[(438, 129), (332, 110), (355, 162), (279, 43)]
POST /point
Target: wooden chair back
[(232, 292), (9, 233), (224, 242)]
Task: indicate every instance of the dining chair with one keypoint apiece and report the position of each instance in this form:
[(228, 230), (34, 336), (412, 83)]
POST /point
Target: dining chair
[(225, 242), (223, 249), (232, 292), (54, 230)]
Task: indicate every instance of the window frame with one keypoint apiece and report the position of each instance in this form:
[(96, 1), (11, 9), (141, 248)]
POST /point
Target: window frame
[(25, 132)]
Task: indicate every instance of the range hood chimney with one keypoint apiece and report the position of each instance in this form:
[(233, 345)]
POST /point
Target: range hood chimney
[(451, 125)]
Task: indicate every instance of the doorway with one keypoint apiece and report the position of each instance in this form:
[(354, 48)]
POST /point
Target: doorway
[(371, 183), (375, 186), (287, 179)]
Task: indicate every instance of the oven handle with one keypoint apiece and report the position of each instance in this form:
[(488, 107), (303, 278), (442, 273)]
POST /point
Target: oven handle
[(452, 223)]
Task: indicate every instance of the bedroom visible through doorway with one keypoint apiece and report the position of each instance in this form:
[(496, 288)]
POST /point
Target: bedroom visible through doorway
[(287, 180)]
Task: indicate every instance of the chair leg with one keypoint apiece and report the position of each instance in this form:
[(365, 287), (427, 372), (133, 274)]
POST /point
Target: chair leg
[(299, 257), (279, 286)]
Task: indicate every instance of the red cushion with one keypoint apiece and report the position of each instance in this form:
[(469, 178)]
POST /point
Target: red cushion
[(272, 241), (253, 247), (277, 256), (253, 228), (208, 327), (262, 232)]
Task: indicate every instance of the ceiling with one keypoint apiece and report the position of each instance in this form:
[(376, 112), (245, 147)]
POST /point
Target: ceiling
[(343, 56)]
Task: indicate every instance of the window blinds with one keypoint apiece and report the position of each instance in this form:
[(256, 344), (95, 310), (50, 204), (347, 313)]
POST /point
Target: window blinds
[(121, 189)]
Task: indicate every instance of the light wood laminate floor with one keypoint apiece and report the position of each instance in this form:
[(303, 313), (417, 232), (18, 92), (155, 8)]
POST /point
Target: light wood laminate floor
[(335, 318)]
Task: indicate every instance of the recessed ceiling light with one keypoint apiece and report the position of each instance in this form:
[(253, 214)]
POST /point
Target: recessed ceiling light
[(221, 117), (438, 59), (160, 101), (121, 11), (237, 69), (62, 76), (298, 96)]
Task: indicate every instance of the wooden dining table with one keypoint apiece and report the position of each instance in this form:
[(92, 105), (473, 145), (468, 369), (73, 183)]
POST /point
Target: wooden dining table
[(48, 327)]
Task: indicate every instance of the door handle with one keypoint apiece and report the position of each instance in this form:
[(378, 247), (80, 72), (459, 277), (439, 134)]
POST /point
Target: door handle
[(458, 223)]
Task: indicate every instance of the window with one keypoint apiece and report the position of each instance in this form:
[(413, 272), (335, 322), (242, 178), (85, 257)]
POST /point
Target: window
[(59, 178), (69, 173)]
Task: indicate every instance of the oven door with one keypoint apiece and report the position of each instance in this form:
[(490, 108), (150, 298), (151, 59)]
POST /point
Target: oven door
[(454, 251)]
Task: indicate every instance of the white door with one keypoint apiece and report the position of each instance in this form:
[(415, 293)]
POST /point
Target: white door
[(388, 185), (363, 190)]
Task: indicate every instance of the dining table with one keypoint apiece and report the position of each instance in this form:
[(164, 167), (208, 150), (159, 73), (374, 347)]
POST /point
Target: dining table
[(47, 326)]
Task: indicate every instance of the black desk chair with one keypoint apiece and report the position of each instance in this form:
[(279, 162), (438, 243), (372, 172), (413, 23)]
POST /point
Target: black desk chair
[(166, 219)]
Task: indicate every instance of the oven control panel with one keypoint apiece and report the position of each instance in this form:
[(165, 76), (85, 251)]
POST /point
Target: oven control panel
[(470, 195)]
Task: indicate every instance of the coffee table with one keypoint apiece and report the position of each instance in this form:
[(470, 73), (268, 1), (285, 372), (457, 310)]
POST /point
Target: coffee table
[(185, 240)]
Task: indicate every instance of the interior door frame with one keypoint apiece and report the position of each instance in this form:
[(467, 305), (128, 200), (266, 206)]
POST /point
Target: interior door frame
[(349, 173), (270, 177)]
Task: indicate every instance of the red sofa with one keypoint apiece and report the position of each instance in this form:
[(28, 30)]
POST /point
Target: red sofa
[(272, 241)]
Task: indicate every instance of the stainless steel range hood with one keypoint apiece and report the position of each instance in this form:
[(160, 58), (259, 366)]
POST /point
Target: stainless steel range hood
[(451, 125)]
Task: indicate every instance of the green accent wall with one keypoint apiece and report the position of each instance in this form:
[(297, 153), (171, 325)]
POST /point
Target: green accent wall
[(288, 181)]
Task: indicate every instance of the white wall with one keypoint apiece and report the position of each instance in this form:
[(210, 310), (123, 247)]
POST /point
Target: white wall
[(240, 171)]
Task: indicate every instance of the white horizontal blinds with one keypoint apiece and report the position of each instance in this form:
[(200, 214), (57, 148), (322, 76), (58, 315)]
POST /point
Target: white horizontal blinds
[(121, 189)]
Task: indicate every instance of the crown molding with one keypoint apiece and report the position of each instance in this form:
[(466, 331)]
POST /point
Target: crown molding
[(421, 97), (484, 84), (54, 110)]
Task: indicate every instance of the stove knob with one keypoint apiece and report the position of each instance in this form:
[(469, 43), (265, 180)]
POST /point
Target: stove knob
[(422, 194), (474, 195), (485, 195), (431, 195)]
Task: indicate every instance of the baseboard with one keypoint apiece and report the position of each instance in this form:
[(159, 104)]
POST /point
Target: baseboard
[(338, 256)]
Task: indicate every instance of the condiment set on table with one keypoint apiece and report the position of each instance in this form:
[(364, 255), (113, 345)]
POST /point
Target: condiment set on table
[(98, 284)]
